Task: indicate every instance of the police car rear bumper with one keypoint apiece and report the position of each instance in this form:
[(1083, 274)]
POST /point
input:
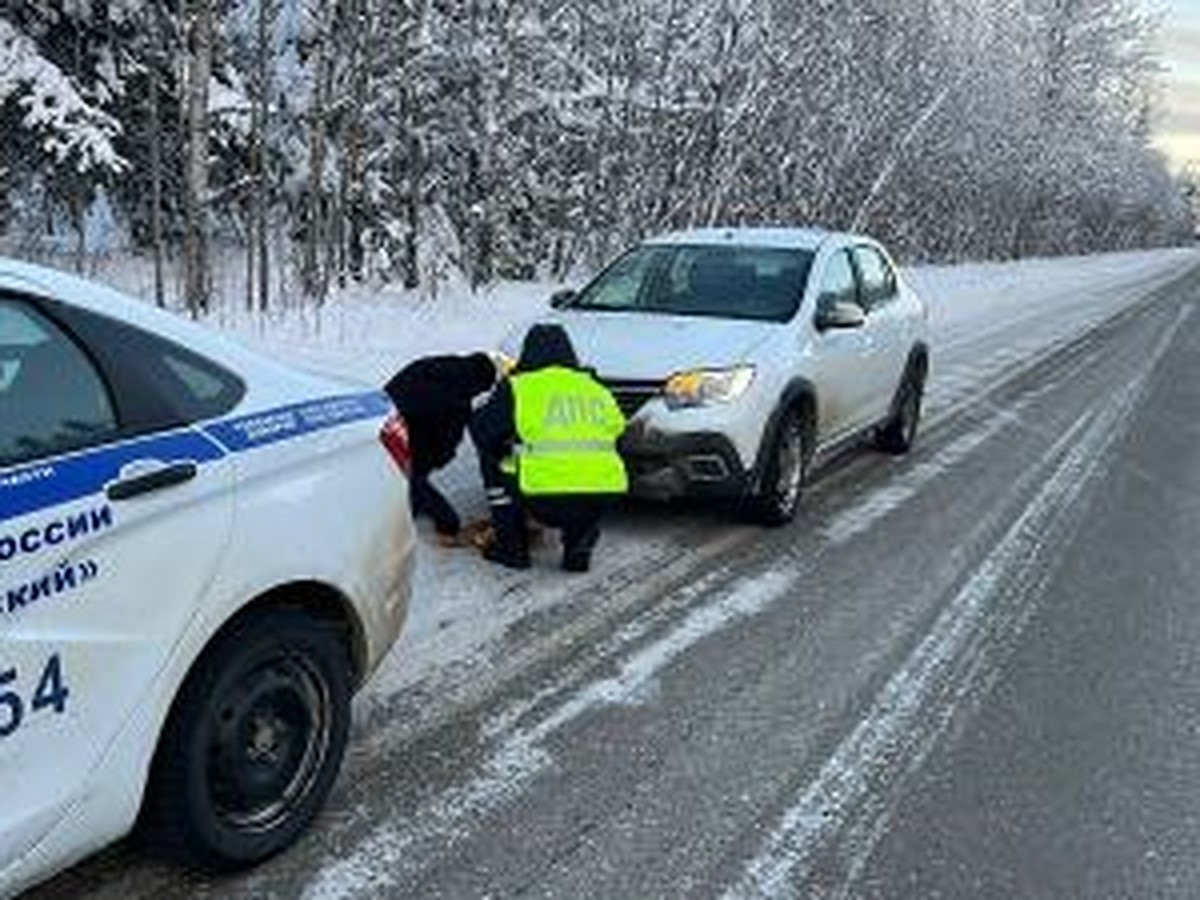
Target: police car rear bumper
[(664, 466)]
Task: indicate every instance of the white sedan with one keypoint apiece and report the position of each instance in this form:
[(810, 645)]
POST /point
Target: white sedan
[(202, 554), (740, 354)]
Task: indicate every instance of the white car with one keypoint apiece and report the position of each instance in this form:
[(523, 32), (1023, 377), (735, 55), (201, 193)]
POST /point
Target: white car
[(740, 353), (202, 554)]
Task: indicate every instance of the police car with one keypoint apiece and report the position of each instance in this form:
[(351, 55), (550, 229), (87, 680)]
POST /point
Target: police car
[(202, 554)]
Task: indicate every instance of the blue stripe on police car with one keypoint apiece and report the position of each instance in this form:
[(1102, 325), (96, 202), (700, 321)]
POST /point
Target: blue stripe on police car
[(287, 422), (75, 477), (43, 485)]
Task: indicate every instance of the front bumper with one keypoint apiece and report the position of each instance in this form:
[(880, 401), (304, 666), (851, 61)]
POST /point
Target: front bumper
[(665, 466)]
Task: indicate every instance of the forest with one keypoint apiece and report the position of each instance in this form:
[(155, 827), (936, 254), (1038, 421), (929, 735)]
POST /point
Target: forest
[(322, 142)]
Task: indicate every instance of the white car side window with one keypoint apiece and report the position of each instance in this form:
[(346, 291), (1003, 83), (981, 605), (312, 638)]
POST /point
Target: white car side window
[(878, 279), (838, 284)]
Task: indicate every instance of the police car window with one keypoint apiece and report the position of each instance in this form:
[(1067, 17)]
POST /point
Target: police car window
[(160, 384), (194, 387), (52, 399), (204, 385)]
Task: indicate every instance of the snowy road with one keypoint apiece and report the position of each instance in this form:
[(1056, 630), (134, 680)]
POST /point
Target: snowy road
[(718, 708)]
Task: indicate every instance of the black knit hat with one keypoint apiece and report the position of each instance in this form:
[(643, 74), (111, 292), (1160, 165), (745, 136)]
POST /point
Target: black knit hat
[(545, 346)]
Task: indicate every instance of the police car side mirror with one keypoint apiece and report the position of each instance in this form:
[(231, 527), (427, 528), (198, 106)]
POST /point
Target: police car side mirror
[(562, 298)]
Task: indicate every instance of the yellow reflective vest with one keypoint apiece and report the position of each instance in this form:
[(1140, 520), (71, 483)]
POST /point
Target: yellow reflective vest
[(567, 428)]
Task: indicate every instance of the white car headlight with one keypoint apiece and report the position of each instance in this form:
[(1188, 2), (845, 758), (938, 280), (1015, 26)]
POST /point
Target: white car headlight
[(706, 387)]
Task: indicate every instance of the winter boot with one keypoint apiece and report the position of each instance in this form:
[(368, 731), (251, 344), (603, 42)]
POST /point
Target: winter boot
[(577, 548), (510, 546), (510, 559)]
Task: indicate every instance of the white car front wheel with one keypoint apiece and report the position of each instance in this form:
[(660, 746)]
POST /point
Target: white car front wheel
[(777, 497)]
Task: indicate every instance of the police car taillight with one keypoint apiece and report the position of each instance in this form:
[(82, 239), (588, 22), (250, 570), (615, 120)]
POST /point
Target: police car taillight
[(394, 436)]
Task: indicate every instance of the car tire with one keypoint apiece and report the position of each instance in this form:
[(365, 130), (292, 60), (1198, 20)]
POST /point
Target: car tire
[(776, 498), (253, 743), (899, 433)]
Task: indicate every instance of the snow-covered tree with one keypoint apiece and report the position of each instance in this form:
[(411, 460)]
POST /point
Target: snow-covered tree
[(352, 139)]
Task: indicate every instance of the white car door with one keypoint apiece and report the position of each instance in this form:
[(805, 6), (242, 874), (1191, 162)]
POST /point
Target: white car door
[(886, 326), (840, 356), (107, 542)]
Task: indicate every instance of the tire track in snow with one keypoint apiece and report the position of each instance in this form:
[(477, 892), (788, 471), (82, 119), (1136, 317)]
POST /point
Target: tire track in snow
[(393, 854), (823, 840)]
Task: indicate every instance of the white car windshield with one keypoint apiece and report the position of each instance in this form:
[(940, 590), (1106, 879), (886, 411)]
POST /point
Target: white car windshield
[(763, 283)]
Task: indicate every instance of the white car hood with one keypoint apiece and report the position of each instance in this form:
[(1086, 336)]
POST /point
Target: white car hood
[(643, 346)]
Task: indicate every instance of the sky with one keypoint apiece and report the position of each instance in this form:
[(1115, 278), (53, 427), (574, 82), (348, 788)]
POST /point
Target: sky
[(1179, 129)]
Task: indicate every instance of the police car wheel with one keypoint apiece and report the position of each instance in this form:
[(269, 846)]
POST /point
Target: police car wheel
[(253, 744)]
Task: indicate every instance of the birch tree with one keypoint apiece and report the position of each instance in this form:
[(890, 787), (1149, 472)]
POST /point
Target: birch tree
[(196, 275)]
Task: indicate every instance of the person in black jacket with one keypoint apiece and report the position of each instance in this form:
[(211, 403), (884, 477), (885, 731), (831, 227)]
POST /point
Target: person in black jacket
[(434, 394)]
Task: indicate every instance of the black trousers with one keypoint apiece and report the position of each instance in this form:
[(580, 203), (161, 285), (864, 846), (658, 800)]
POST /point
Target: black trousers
[(576, 516), (427, 500)]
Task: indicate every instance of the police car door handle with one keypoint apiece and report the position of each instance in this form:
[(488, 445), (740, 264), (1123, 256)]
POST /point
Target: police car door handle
[(145, 482)]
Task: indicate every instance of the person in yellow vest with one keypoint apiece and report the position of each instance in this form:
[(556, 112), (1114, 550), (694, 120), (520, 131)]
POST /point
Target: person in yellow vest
[(546, 440)]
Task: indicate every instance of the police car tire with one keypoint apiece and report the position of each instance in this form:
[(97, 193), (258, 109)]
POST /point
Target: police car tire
[(181, 817)]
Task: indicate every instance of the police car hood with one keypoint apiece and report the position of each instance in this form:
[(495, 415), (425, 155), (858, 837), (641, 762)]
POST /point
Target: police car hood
[(652, 347)]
